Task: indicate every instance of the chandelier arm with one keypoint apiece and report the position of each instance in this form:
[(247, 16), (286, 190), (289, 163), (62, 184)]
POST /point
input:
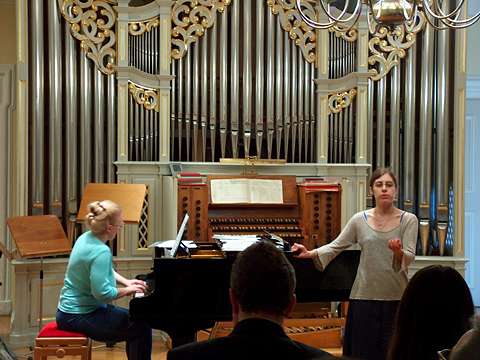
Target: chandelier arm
[(347, 2), (352, 24), (310, 22), (414, 13), (371, 11), (436, 27), (370, 25), (315, 24), (467, 22), (339, 18), (456, 12), (346, 29), (446, 18), (462, 24), (412, 26), (426, 5), (452, 25)]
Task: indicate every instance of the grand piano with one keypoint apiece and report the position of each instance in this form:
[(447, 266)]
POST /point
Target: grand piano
[(189, 294)]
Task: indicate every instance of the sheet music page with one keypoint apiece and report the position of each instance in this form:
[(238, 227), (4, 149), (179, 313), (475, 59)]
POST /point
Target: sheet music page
[(236, 242), (168, 244), (229, 191), (264, 191)]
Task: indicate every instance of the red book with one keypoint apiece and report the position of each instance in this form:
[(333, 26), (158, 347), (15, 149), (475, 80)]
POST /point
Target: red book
[(188, 174), (316, 180), (326, 187), (190, 180)]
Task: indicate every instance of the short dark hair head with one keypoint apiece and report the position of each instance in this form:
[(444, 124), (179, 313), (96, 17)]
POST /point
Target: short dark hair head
[(379, 172), (433, 314), (262, 279)]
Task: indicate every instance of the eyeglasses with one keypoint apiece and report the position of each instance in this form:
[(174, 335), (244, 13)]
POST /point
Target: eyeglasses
[(443, 354)]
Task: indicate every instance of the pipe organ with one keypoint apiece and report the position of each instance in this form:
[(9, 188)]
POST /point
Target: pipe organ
[(410, 118), (123, 90), (235, 97), (72, 114), (196, 82)]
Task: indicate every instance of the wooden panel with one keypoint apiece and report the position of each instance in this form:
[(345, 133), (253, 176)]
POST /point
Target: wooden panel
[(129, 196), (193, 199), (37, 236), (319, 333), (324, 338), (320, 213)]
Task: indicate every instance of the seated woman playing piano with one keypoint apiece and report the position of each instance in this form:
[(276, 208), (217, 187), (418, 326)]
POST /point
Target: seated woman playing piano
[(91, 283)]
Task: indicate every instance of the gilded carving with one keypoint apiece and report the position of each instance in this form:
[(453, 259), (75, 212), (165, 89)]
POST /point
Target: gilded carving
[(190, 19), (389, 45), (291, 21), (347, 34), (339, 101), (149, 98), (139, 27), (93, 24)]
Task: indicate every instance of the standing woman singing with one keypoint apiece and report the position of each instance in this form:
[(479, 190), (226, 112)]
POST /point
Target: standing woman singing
[(387, 237), (91, 283)]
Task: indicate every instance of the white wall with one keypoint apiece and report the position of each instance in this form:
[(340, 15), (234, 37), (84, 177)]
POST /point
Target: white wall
[(473, 41), (472, 160), (472, 194)]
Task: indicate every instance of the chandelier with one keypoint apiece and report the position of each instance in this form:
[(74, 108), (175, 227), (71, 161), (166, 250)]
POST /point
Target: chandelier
[(345, 13)]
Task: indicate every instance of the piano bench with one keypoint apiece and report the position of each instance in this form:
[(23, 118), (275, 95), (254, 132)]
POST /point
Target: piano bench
[(51, 341)]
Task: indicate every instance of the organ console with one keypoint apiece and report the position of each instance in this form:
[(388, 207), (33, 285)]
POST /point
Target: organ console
[(191, 293), (309, 213)]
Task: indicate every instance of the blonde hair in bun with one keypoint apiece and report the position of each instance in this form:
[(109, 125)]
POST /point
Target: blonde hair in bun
[(100, 215)]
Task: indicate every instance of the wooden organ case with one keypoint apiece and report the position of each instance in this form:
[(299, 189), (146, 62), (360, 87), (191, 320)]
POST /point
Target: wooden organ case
[(310, 212)]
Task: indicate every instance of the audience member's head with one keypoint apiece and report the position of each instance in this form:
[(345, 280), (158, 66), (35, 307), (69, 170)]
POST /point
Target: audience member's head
[(433, 313), (262, 283), (468, 347)]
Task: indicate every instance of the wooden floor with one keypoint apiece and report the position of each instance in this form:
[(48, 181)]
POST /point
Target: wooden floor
[(101, 352)]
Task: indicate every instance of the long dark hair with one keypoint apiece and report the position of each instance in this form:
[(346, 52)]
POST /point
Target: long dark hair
[(433, 314)]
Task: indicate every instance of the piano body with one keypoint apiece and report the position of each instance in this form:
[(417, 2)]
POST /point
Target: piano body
[(191, 293)]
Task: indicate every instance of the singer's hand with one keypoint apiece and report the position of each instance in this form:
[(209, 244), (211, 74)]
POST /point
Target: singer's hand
[(395, 245), (301, 251)]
